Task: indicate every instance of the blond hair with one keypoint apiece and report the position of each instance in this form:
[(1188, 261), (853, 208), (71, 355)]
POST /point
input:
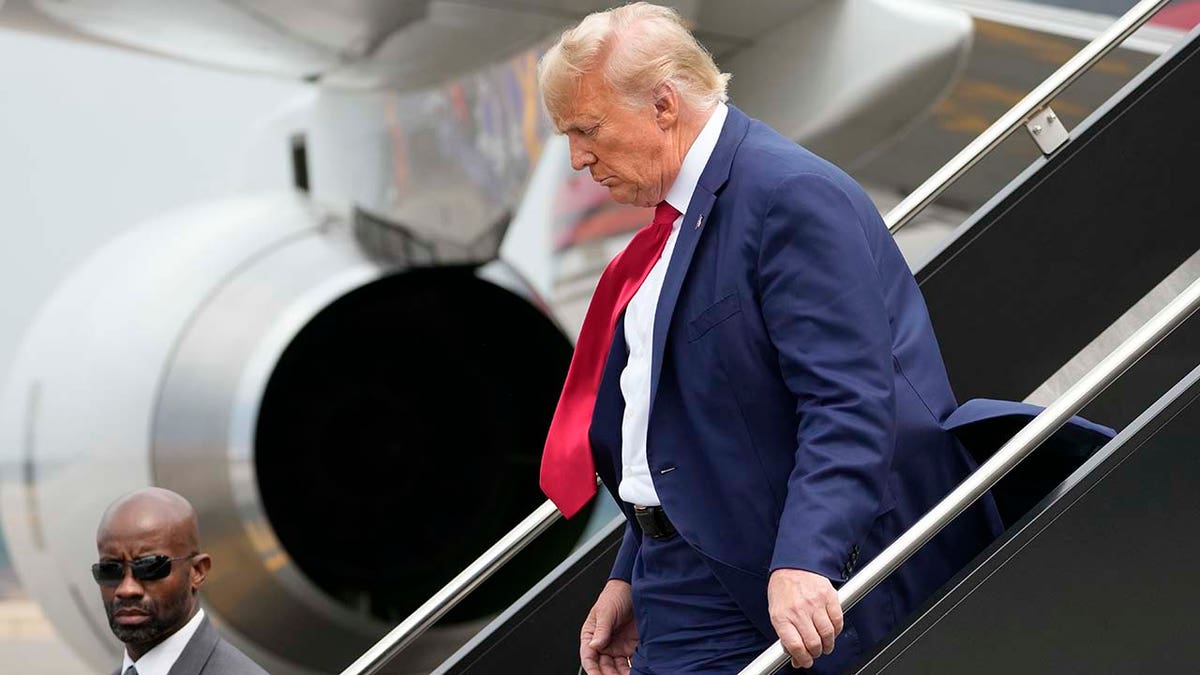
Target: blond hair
[(638, 47)]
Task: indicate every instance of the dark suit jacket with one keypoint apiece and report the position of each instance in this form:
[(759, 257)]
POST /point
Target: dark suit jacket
[(207, 654), (797, 391)]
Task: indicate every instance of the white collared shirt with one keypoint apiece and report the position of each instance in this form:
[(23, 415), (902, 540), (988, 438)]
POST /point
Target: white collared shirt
[(636, 485), (158, 661)]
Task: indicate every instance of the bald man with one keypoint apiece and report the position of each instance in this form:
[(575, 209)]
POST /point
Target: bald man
[(150, 573)]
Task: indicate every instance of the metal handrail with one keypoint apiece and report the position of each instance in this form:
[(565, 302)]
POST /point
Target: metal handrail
[(1037, 99), (1017, 449), (452, 593)]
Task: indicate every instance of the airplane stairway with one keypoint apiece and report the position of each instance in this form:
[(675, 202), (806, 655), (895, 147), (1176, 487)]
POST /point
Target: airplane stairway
[(1100, 581), (1025, 285)]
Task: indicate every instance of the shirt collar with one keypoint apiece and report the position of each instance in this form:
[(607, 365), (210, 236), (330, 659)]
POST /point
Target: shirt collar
[(680, 194), (158, 661)]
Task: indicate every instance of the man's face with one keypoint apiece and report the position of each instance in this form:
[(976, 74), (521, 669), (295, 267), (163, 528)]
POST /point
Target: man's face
[(626, 149), (146, 612)]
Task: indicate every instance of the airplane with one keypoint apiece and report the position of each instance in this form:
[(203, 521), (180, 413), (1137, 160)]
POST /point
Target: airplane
[(351, 380)]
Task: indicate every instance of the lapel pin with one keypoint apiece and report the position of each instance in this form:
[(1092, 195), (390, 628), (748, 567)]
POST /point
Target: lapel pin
[(699, 222)]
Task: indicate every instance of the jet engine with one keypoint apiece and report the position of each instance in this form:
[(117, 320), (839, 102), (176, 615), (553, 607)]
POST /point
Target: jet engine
[(352, 429)]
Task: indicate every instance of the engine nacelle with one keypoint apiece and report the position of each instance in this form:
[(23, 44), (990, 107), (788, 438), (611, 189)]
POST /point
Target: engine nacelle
[(352, 433)]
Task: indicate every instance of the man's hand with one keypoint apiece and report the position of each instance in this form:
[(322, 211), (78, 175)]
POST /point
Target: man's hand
[(805, 612), (609, 634)]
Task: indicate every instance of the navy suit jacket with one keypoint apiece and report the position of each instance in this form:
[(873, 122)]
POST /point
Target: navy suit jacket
[(797, 391)]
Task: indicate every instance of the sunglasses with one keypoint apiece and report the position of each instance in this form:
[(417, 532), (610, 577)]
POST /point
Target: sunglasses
[(146, 568)]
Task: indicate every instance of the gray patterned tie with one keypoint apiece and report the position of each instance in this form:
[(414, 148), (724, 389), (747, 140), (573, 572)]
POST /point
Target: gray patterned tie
[(131, 670)]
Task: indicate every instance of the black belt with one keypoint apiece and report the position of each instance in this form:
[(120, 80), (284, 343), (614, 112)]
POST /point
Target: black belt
[(653, 521)]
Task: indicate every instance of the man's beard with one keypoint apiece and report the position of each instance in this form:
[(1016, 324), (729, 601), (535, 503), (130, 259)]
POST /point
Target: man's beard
[(163, 618)]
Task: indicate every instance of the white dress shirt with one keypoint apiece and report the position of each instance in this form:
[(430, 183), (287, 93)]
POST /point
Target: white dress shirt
[(636, 486), (158, 661)]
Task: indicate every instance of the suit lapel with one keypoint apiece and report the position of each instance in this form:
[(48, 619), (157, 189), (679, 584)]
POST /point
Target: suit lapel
[(694, 223), (191, 661)]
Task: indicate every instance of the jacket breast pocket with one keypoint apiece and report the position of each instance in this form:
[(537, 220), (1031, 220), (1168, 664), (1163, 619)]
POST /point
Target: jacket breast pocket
[(716, 313)]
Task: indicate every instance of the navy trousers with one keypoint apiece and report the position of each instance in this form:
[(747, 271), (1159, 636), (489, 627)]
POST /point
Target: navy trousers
[(688, 623)]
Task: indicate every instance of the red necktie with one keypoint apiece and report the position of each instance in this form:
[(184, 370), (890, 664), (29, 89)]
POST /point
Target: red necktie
[(568, 472)]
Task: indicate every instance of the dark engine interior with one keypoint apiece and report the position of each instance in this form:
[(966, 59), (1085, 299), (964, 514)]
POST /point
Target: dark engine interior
[(399, 437)]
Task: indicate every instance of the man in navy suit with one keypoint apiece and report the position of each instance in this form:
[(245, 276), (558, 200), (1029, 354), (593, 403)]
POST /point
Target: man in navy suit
[(770, 410)]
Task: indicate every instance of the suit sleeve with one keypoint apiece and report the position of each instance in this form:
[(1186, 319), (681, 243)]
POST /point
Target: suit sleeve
[(623, 567), (822, 302)]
